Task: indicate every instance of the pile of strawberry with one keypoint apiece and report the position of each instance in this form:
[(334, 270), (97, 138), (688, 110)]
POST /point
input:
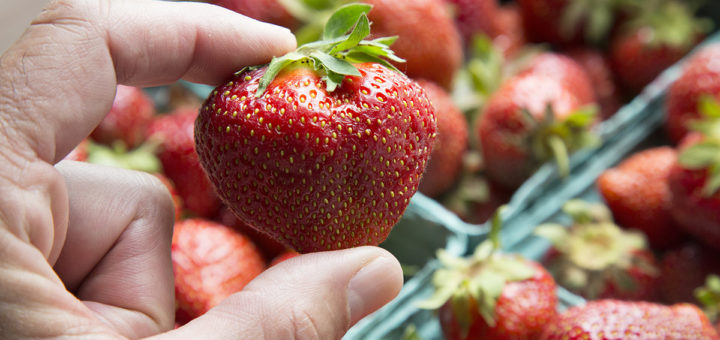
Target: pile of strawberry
[(514, 84), (647, 259)]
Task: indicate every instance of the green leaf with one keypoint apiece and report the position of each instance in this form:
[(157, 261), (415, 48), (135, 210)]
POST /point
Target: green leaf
[(387, 41), (443, 292), (276, 65), (361, 30), (709, 107), (483, 250), (700, 155), (336, 65), (560, 154), (512, 269), (378, 51), (360, 57), (491, 285), (582, 117), (344, 19), (713, 182)]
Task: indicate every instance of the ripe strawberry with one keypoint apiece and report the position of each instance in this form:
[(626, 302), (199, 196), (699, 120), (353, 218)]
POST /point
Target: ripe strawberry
[(531, 118), (210, 261), (323, 156), (700, 77), (695, 183), (637, 193), (654, 41), (79, 153), (597, 66), (568, 22), (612, 319), (596, 259), (271, 11), (174, 134), (492, 295), (684, 269), (420, 26), (446, 159), (128, 118), (565, 70), (474, 17)]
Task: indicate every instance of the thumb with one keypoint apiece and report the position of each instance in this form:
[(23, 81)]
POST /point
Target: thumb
[(313, 296)]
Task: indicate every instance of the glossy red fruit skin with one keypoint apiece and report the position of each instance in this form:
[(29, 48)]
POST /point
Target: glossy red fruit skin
[(697, 214), (318, 170), (638, 194), (597, 66), (271, 11), (701, 76), (128, 118), (636, 63), (446, 159), (422, 26), (613, 319), (684, 268), (522, 310), (210, 261), (503, 130), (180, 161), (565, 70)]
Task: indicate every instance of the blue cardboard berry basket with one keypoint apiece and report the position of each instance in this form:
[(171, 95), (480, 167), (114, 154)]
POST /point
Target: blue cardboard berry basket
[(637, 126)]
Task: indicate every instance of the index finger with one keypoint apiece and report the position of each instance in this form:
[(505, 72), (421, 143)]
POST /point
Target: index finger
[(58, 81)]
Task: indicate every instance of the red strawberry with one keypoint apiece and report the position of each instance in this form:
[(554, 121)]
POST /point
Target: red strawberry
[(271, 11), (211, 261), (128, 118), (596, 259), (492, 295), (532, 118), (700, 77), (324, 156), (568, 22), (695, 185), (474, 17), (446, 159), (612, 319), (598, 68), (565, 70), (176, 151), (421, 26), (684, 269), (637, 193), (653, 42), (79, 153)]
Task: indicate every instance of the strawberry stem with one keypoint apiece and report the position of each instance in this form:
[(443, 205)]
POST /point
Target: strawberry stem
[(334, 55)]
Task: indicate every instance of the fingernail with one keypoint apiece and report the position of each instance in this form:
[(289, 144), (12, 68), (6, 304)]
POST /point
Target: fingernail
[(373, 286)]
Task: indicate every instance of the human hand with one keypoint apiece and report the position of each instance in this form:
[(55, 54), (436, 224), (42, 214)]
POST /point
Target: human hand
[(85, 249)]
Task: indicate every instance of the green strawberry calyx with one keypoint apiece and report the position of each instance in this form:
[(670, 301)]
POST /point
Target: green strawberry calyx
[(343, 43), (668, 23), (142, 158), (594, 251), (555, 139), (706, 153), (597, 17), (477, 281), (709, 297)]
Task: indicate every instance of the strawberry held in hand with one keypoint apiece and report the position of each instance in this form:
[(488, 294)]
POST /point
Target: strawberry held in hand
[(324, 147)]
